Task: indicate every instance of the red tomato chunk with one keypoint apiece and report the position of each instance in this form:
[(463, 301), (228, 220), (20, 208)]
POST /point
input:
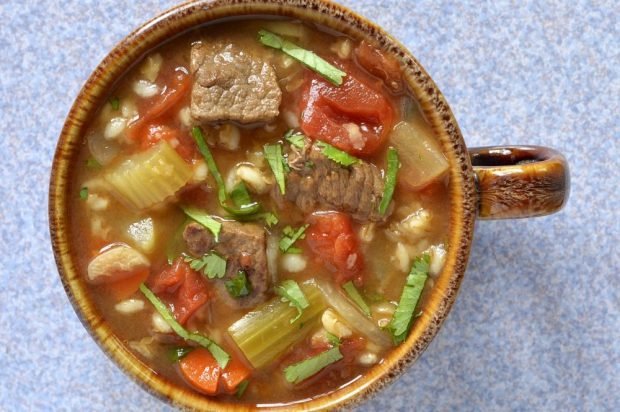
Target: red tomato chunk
[(331, 237), (355, 117), (184, 290)]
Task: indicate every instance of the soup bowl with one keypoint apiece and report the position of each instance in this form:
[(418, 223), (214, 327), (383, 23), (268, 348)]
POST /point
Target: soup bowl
[(485, 183)]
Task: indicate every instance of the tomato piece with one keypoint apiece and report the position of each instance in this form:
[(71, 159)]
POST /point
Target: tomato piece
[(179, 140), (175, 90), (201, 371), (182, 288), (378, 64), (331, 237), (235, 373), (355, 117)]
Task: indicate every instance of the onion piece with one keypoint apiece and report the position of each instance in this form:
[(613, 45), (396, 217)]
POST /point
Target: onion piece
[(103, 150), (351, 314)]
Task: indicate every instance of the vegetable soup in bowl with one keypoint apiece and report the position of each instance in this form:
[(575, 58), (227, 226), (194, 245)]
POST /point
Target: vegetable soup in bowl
[(269, 204)]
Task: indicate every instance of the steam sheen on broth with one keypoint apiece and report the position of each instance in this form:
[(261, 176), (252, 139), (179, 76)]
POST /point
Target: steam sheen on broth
[(254, 222)]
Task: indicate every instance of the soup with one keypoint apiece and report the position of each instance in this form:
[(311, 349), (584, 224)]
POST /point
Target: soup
[(260, 210)]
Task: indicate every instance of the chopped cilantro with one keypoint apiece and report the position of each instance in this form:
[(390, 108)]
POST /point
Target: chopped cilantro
[(306, 57), (273, 154), (84, 193), (337, 155), (204, 219), (290, 236), (211, 265), (355, 296), (115, 102), (238, 286), (290, 292), (390, 179), (403, 316), (218, 353), (300, 371)]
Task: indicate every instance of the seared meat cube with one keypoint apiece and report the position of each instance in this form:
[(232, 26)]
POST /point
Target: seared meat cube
[(318, 182), (231, 84), (243, 245)]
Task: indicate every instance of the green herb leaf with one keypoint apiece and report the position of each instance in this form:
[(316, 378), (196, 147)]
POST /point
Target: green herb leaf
[(241, 388), (240, 195), (270, 219), (211, 165), (241, 198), (290, 292), (218, 353), (337, 155), (401, 322), (84, 193), (93, 164), (211, 265), (290, 237), (301, 371), (238, 286), (296, 139), (273, 154), (306, 57), (390, 179), (204, 219), (115, 102), (178, 353), (355, 296)]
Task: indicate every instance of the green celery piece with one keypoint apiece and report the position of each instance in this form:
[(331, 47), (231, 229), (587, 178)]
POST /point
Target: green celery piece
[(211, 165), (390, 179), (204, 219), (403, 316), (339, 156), (355, 296), (220, 355), (306, 57), (273, 154), (301, 371), (290, 292), (265, 334)]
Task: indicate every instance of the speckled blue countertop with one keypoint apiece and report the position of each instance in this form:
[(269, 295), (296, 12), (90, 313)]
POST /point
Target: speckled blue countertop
[(537, 321)]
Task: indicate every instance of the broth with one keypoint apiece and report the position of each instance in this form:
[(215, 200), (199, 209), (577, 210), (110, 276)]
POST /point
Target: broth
[(105, 218)]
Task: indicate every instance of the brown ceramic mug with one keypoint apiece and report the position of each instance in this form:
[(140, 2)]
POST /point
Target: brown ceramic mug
[(486, 183)]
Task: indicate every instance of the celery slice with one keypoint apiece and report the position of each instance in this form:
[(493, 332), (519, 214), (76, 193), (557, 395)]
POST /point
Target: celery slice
[(266, 333), (150, 177)]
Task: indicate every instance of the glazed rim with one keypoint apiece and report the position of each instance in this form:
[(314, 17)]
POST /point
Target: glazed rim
[(178, 20)]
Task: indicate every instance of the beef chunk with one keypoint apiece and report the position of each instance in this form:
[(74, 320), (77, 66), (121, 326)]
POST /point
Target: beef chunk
[(230, 84), (244, 248), (318, 182)]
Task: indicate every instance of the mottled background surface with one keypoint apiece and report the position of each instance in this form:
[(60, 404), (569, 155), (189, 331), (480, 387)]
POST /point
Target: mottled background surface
[(537, 321)]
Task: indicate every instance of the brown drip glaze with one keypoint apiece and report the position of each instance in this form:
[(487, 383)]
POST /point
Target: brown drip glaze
[(519, 181)]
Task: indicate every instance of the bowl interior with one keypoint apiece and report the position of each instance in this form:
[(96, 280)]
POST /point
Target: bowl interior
[(175, 22)]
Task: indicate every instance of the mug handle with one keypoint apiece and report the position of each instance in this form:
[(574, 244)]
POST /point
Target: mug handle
[(519, 181)]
